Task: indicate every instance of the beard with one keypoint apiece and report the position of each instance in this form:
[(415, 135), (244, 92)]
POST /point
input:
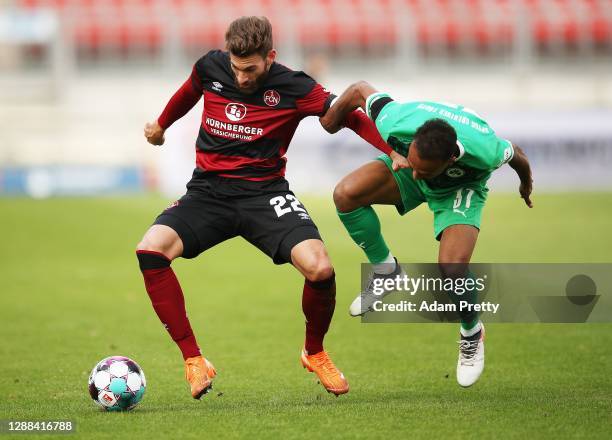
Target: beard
[(255, 85)]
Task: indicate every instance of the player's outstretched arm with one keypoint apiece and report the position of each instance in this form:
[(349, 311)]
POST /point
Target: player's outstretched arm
[(181, 102), (520, 164), (353, 97)]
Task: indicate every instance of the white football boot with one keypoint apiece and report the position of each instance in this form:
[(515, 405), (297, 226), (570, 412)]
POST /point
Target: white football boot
[(471, 358), (363, 303)]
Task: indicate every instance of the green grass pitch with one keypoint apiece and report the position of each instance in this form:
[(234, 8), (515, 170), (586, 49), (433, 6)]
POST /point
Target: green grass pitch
[(71, 294)]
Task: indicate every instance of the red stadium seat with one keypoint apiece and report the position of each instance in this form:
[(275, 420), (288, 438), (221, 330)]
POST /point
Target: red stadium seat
[(341, 24), (601, 30)]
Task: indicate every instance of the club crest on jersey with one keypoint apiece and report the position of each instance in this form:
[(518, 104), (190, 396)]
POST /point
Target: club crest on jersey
[(455, 172), (235, 111), (271, 98)]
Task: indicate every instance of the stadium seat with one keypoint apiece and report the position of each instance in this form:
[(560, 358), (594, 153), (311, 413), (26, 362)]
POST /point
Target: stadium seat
[(338, 24)]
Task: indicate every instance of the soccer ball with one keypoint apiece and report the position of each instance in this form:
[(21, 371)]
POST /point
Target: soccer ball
[(117, 383)]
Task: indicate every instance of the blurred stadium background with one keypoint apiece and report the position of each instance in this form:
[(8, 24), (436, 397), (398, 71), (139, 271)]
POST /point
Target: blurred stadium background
[(79, 78), (78, 81)]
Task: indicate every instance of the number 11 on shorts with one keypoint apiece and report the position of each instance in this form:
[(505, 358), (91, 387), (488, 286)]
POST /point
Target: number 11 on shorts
[(459, 199)]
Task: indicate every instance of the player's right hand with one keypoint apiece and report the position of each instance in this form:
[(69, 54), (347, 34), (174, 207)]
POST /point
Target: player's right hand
[(154, 133)]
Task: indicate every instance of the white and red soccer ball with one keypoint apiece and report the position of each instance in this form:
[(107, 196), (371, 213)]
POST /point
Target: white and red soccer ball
[(117, 383)]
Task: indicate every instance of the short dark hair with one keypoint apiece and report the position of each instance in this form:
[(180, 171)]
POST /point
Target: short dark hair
[(436, 139), (246, 36)]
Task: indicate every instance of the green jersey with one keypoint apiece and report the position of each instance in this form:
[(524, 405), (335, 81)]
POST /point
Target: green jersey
[(481, 151)]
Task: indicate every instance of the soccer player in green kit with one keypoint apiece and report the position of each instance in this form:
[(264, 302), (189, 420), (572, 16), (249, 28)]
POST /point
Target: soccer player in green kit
[(443, 156)]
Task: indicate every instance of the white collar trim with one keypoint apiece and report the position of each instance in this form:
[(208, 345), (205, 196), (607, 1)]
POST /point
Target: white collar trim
[(461, 149)]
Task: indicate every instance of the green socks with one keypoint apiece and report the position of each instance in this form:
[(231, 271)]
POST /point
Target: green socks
[(363, 226)]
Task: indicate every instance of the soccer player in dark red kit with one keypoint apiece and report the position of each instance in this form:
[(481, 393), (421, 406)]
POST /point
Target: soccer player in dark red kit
[(252, 107)]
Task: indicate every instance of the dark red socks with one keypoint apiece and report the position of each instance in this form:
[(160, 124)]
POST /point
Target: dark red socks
[(318, 304), (167, 299)]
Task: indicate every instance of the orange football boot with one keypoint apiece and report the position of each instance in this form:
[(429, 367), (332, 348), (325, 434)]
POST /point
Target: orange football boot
[(199, 373), (330, 377)]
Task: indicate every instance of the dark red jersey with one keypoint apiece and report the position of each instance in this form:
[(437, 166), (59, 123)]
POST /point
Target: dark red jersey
[(246, 136)]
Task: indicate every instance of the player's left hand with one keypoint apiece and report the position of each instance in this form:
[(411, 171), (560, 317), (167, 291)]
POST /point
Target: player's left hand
[(525, 190), (399, 161)]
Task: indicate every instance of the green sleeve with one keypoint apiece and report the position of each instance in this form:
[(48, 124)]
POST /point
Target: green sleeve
[(503, 153), (387, 122), (487, 154), (386, 118)]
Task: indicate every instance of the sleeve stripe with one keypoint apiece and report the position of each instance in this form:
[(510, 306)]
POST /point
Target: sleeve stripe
[(508, 152), (371, 99), (329, 101)]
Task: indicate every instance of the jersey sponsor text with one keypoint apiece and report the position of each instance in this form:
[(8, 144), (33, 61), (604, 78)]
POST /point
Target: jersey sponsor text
[(236, 131)]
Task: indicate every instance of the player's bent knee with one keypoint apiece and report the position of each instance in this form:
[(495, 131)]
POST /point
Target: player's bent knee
[(451, 261), (162, 240), (147, 244), (320, 274), (455, 268), (144, 245), (315, 266), (345, 196), (320, 270)]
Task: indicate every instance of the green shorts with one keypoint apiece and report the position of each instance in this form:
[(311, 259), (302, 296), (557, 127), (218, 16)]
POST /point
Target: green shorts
[(458, 206)]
